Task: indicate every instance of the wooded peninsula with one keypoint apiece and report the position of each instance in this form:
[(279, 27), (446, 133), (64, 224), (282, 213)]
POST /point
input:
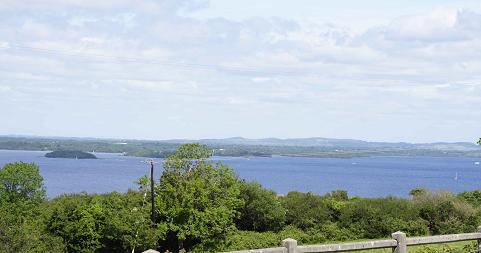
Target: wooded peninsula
[(306, 147)]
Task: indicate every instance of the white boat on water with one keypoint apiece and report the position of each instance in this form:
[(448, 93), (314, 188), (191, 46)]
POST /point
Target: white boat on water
[(476, 163)]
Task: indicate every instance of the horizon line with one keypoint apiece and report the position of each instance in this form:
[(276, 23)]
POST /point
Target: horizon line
[(225, 138)]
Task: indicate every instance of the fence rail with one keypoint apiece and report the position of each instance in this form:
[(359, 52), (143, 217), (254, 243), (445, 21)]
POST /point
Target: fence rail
[(398, 244)]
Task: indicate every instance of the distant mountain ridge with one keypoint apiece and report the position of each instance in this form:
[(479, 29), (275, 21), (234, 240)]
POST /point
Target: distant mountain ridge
[(332, 143)]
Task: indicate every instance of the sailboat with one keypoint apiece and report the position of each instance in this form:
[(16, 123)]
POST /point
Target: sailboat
[(456, 177)]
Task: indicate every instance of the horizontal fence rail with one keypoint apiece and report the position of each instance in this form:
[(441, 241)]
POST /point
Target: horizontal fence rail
[(398, 244), (348, 246), (443, 239), (269, 250)]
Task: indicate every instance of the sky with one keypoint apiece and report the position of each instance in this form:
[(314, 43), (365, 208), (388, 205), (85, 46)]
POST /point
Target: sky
[(372, 70)]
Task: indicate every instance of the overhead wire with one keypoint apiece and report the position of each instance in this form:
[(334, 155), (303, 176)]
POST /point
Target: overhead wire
[(177, 64)]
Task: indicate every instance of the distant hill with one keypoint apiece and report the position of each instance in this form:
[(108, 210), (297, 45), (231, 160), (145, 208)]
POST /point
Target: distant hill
[(339, 143), (238, 146)]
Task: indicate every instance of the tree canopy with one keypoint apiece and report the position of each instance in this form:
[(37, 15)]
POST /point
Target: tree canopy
[(21, 225), (262, 209), (196, 199), (21, 181)]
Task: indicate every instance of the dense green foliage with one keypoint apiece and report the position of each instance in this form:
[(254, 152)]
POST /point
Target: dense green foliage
[(101, 223), (202, 206), (21, 183), (74, 154), (197, 201), (262, 209), (22, 228)]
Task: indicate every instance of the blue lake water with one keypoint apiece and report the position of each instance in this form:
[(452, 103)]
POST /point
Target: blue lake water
[(367, 176)]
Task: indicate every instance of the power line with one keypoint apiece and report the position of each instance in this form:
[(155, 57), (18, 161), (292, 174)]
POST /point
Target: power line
[(184, 65)]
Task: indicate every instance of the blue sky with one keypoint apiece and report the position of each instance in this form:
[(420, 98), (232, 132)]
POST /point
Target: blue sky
[(371, 70)]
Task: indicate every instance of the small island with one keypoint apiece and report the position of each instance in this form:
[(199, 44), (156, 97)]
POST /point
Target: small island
[(72, 154)]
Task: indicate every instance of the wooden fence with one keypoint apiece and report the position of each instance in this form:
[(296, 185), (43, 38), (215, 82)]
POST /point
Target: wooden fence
[(399, 244)]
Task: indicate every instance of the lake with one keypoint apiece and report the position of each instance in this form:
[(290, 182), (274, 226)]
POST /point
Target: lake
[(366, 176)]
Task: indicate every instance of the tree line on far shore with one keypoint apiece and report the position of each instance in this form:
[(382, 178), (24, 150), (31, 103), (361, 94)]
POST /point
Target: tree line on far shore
[(203, 206)]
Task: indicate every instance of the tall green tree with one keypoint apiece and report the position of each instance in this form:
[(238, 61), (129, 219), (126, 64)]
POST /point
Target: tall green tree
[(196, 200), (21, 182), (21, 224)]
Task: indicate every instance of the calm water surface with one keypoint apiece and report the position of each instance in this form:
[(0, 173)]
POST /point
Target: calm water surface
[(367, 176)]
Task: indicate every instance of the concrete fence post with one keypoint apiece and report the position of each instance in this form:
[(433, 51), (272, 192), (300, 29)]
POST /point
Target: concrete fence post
[(478, 230), (401, 247), (290, 244)]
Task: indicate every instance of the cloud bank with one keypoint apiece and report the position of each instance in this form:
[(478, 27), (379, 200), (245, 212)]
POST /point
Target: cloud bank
[(106, 68)]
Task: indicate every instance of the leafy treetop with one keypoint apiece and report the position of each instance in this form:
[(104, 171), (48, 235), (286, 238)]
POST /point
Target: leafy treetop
[(197, 200), (21, 182)]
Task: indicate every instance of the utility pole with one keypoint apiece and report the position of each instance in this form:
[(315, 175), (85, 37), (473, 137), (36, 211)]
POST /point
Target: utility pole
[(152, 214)]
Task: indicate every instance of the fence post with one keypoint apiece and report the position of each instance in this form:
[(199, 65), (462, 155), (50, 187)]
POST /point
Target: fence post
[(479, 241), (290, 244), (401, 247)]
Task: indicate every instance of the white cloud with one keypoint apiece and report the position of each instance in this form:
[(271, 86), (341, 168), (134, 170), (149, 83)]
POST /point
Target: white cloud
[(260, 79), (92, 40), (163, 6), (123, 53), (4, 45), (80, 21), (4, 88), (438, 26), (435, 26)]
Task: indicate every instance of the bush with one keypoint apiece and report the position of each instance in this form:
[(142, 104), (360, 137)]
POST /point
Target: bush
[(375, 218), (472, 197), (243, 240), (262, 209), (26, 233), (108, 223), (446, 214), (306, 210), (471, 247)]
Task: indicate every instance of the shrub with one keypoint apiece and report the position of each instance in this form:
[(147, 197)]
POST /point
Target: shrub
[(446, 214), (262, 209), (306, 210), (472, 197)]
